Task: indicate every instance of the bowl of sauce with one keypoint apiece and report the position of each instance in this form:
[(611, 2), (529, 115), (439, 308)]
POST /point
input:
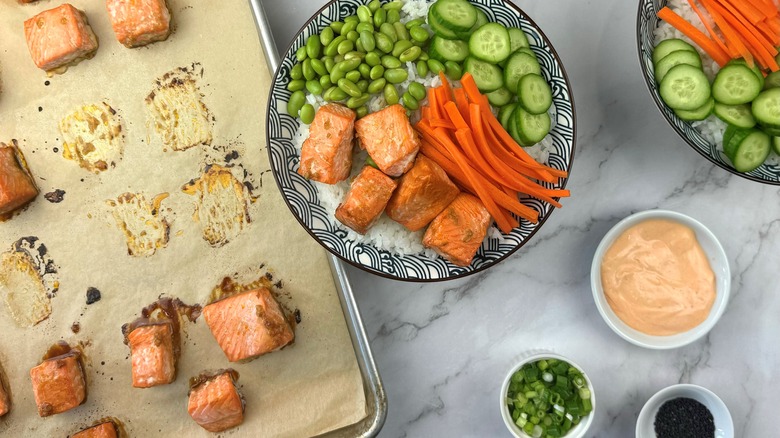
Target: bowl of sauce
[(660, 279)]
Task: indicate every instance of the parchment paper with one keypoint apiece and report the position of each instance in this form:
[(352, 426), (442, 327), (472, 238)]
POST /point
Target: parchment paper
[(308, 388)]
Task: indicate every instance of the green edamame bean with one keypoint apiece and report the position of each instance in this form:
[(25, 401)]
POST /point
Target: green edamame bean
[(380, 17), (329, 63), (394, 5), (352, 19), (326, 36), (335, 93), (338, 58), (348, 27), (391, 94), (400, 47), (376, 72), (359, 46), (453, 70), (411, 54), (422, 69), (416, 22), (373, 59), (390, 61), (325, 82), (419, 34), (383, 42), (396, 75), (362, 85), (353, 76), (348, 65), (365, 71), (376, 85), (313, 46), (354, 55), (345, 46), (410, 102), (400, 29), (365, 27), (297, 71), (368, 41), (393, 16), (297, 100), (349, 87), (333, 47), (337, 26), (300, 54), (374, 5), (424, 56), (417, 90), (364, 14), (356, 102), (337, 74), (307, 114), (389, 30), (308, 72), (319, 67), (362, 111), (353, 35), (296, 85), (435, 66), (314, 86)]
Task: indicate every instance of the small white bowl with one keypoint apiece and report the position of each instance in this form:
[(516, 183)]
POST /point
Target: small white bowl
[(724, 426), (577, 431), (718, 261)]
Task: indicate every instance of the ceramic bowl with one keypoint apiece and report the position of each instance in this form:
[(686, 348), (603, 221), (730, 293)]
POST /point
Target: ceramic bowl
[(724, 427), (302, 196), (718, 263), (577, 431)]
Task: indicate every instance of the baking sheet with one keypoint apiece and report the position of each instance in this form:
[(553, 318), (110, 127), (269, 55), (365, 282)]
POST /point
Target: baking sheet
[(306, 389)]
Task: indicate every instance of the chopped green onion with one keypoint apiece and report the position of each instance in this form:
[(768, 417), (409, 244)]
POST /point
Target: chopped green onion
[(584, 393), (547, 377), (542, 364)]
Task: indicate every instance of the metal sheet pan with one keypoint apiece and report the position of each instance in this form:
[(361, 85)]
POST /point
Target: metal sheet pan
[(376, 399)]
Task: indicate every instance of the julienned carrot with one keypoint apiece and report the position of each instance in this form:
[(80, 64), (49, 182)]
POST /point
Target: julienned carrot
[(461, 100), (753, 14), (441, 123), (736, 25), (709, 26), (748, 32), (446, 84), (771, 35), (513, 161), (766, 8), (731, 35), (694, 34), (455, 116)]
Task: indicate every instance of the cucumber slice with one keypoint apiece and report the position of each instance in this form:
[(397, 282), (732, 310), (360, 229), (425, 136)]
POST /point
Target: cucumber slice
[(735, 84), (772, 80), (776, 144), (737, 115), (517, 39), (519, 65), (757, 71), (766, 107), (439, 28), (505, 114), (727, 134), (490, 43), (700, 113), (666, 47), (448, 50), (733, 133), (487, 76), (531, 128), (534, 93), (513, 131), (685, 87), (676, 58), (749, 151), (482, 20), (500, 97), (772, 131), (455, 15)]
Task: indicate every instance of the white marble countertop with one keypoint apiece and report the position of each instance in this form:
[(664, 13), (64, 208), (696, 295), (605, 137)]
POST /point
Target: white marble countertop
[(443, 349)]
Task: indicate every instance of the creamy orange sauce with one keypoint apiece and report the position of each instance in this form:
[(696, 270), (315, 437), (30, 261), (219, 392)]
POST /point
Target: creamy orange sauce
[(657, 279)]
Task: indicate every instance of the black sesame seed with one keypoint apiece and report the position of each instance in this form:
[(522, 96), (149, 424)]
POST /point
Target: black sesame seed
[(93, 295), (684, 418)]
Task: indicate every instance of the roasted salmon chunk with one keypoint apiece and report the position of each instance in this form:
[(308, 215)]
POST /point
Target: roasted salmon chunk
[(366, 199), (457, 232), (102, 430), (139, 22), (248, 324), (5, 401), (16, 185), (152, 357), (59, 36), (58, 384), (389, 138), (326, 156), (422, 193), (215, 403)]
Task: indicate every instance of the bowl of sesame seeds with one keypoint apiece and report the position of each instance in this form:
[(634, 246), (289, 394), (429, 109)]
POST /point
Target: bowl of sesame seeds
[(685, 411)]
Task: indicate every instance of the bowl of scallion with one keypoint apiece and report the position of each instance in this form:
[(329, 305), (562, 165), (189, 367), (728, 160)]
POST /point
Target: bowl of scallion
[(547, 395)]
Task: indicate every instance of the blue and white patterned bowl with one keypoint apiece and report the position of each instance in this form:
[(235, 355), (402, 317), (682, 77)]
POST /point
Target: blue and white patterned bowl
[(301, 195), (647, 22)]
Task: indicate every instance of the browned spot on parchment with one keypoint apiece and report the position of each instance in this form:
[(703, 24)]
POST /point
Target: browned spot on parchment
[(221, 204), (141, 222), (92, 137)]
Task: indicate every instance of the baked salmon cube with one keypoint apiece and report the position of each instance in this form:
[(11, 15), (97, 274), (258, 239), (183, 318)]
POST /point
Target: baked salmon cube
[(139, 22), (422, 193), (5, 401), (457, 232), (102, 430), (326, 156), (58, 385), (151, 354), (366, 199), (248, 324), (389, 139), (215, 404), (16, 186), (59, 36)]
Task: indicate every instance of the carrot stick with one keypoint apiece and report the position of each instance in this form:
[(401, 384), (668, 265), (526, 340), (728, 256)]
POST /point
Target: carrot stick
[(736, 21), (455, 117), (731, 34), (709, 26), (771, 35), (446, 84), (694, 34), (766, 8), (753, 14), (433, 103), (748, 32), (513, 161), (441, 123), (462, 101)]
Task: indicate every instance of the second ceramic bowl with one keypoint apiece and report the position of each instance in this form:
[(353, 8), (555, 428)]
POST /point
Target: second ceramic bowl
[(724, 426)]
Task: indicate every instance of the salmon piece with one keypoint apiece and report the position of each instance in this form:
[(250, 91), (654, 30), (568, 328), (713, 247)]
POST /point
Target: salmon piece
[(389, 139), (102, 430), (16, 185), (151, 352), (326, 156), (58, 385), (5, 401), (422, 193), (139, 22), (215, 404), (248, 324), (457, 232), (366, 199), (59, 36)]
